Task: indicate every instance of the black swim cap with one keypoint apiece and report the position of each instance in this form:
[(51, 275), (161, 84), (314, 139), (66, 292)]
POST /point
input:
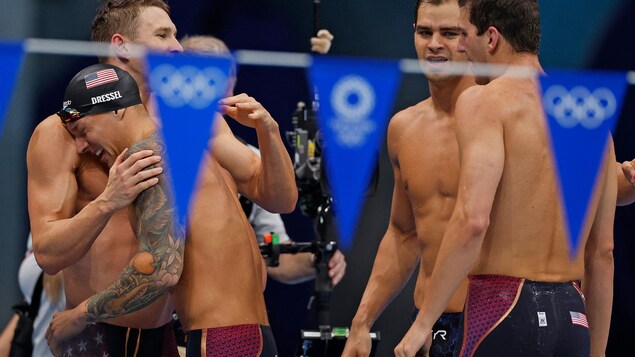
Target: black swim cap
[(97, 89)]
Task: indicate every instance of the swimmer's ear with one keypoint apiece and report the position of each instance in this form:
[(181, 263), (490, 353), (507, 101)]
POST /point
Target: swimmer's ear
[(119, 44), (119, 113), (494, 37)]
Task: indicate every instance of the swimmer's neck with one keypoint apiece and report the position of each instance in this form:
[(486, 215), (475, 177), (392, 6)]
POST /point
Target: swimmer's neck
[(445, 93)]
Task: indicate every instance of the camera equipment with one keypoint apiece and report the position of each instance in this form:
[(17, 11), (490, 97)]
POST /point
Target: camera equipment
[(327, 341), (316, 202), (313, 190)]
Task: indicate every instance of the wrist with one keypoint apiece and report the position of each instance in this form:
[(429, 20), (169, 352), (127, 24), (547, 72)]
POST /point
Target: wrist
[(361, 323), (269, 125), (422, 322), (82, 313), (103, 206)]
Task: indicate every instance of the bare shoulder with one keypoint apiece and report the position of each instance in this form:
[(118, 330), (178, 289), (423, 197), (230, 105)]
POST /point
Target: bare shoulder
[(51, 131), (407, 118), (153, 142), (51, 145), (494, 101), (479, 96), (402, 123), (52, 164)]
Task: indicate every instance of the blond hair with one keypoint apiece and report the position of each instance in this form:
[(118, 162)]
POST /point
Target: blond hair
[(213, 47)]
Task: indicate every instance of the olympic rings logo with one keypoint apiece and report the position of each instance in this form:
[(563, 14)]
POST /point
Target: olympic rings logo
[(188, 85), (579, 106), (352, 100)]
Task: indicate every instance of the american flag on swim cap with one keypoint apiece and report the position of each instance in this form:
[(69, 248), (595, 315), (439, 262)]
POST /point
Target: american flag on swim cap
[(579, 319), (100, 77)]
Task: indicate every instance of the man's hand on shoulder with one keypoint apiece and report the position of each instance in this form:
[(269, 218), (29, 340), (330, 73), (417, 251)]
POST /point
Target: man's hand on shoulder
[(129, 177)]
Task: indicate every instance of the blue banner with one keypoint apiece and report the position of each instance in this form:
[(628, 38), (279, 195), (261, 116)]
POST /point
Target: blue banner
[(356, 100), (582, 109), (11, 55), (188, 88)]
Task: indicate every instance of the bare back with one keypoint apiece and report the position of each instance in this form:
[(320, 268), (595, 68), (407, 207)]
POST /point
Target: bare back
[(526, 236), (61, 183), (424, 153), (221, 283)]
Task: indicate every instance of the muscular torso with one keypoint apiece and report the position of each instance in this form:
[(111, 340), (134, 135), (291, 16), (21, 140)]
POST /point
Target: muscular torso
[(221, 283), (526, 236), (110, 252), (427, 156)]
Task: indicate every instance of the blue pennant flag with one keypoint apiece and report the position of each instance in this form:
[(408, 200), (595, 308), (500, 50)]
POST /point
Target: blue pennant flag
[(11, 55), (188, 88), (582, 108), (356, 99)]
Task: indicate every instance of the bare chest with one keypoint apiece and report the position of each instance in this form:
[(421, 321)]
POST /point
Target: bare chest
[(429, 168)]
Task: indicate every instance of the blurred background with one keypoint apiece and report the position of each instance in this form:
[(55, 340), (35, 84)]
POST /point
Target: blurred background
[(580, 34)]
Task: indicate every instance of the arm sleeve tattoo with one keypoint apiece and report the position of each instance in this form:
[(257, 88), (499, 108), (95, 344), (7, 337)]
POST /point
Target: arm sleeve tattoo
[(158, 263)]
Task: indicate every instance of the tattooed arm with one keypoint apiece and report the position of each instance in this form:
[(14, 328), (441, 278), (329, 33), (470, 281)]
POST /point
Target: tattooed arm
[(157, 265), (154, 269)]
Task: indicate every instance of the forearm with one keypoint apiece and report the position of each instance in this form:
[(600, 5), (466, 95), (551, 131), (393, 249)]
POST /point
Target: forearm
[(293, 268), (459, 250), (625, 189), (157, 265), (132, 291), (276, 179), (393, 266), (598, 290), (151, 273), (7, 336), (58, 244)]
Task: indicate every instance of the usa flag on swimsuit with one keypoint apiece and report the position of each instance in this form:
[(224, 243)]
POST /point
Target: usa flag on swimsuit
[(100, 77), (89, 343), (579, 319)]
